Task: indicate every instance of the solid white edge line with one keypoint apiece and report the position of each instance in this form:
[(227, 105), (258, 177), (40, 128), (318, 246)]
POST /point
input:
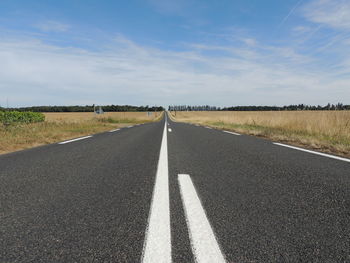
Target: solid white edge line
[(157, 244), (204, 244), (76, 139), (309, 151), (114, 130), (234, 133)]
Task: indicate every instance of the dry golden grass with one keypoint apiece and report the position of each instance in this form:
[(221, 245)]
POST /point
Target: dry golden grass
[(63, 126), (84, 116), (327, 131)]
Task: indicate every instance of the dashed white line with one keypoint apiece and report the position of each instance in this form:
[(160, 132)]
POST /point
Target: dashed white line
[(157, 245), (77, 139), (204, 245), (234, 133), (169, 129), (309, 151), (114, 130)]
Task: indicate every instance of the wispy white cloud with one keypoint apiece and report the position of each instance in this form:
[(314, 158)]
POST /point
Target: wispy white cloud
[(33, 73), (290, 13), (330, 13), (52, 26), (302, 29), (250, 41)]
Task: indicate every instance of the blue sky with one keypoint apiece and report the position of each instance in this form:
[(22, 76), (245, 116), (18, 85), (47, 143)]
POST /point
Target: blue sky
[(228, 52)]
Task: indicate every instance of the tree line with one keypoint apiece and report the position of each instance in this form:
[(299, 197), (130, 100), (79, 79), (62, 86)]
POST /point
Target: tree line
[(329, 106), (86, 108), (193, 108)]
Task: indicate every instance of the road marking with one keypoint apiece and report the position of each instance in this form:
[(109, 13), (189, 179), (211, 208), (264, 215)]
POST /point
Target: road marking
[(204, 245), (114, 130), (77, 139), (208, 127), (234, 133), (169, 130), (309, 151), (157, 245)]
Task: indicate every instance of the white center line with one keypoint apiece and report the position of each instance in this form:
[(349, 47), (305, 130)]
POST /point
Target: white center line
[(157, 245), (77, 139), (204, 245), (234, 133), (309, 151), (114, 130)]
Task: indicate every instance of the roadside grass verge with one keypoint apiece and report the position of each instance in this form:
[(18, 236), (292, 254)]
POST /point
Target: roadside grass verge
[(322, 131), (85, 116), (19, 136), (22, 136), (335, 145)]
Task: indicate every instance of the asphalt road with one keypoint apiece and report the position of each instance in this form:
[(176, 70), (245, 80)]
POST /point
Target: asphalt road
[(173, 192)]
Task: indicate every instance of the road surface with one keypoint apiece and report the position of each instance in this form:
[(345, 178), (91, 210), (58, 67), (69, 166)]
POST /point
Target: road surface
[(173, 192)]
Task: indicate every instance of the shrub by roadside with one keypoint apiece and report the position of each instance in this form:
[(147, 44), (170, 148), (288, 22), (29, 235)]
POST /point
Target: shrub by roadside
[(10, 117)]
